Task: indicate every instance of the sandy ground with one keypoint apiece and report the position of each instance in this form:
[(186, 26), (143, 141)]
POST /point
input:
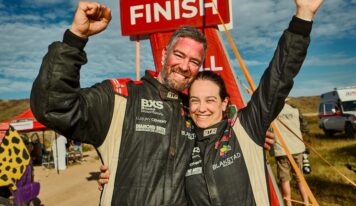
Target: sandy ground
[(77, 185)]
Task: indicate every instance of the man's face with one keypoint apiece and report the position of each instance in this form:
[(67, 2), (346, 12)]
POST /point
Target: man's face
[(181, 63)]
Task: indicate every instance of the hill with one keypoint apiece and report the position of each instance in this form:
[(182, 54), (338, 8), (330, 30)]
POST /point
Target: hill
[(306, 104), (12, 108)]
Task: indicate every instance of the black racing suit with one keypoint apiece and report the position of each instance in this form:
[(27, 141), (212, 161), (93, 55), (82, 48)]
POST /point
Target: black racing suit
[(228, 162), (143, 137)]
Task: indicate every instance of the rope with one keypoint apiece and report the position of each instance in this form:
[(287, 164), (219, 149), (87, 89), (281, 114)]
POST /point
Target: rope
[(296, 201), (275, 129)]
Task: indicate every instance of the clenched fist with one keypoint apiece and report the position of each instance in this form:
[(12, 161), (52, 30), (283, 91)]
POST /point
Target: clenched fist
[(90, 18)]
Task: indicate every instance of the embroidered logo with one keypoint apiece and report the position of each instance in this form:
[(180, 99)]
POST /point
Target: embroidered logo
[(147, 104), (223, 143), (189, 128), (211, 131), (172, 95), (224, 149)]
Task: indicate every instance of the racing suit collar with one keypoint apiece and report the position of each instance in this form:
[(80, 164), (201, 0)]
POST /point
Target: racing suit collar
[(164, 92), (213, 132)]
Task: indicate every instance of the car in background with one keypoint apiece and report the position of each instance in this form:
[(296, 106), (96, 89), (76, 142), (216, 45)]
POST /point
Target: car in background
[(337, 111)]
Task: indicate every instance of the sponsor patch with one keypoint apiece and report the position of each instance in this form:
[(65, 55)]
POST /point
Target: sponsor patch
[(226, 162), (211, 131), (194, 171), (195, 166), (172, 95), (151, 106), (149, 119), (189, 135), (150, 128), (224, 149)]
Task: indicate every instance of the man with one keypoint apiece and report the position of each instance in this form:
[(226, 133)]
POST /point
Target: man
[(148, 123), (291, 117), (142, 136)]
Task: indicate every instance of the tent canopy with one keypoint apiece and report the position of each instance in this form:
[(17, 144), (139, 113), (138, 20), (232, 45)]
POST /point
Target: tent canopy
[(23, 122)]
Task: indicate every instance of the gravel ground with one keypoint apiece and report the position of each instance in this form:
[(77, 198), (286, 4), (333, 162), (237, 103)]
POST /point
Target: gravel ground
[(77, 185)]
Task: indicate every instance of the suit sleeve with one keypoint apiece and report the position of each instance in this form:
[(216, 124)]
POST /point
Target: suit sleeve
[(277, 81), (57, 100)]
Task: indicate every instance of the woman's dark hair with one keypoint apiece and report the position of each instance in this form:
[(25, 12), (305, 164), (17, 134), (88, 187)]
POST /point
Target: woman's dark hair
[(215, 78)]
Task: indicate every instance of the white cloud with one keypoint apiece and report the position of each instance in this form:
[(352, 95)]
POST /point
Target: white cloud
[(321, 82), (260, 22), (24, 45), (8, 86), (336, 19), (43, 2), (330, 60)]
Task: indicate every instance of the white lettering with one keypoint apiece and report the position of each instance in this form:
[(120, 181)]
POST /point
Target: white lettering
[(146, 119), (172, 95), (208, 5), (157, 9), (151, 104), (150, 128), (134, 15), (190, 136), (196, 150), (212, 67), (194, 171), (148, 12), (195, 163), (178, 8), (193, 10), (209, 132), (226, 162)]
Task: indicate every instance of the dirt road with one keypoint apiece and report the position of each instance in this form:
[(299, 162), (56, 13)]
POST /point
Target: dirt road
[(74, 186)]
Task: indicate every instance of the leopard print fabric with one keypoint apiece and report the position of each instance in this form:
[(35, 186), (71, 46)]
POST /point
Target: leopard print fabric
[(14, 158)]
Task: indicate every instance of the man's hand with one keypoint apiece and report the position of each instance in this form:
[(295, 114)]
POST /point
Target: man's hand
[(103, 177), (90, 18), (269, 141), (306, 9)]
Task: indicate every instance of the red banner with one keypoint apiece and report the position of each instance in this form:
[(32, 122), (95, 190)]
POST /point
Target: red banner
[(216, 60), (147, 16)]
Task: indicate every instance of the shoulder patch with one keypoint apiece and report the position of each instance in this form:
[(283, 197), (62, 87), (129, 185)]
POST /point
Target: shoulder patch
[(120, 85)]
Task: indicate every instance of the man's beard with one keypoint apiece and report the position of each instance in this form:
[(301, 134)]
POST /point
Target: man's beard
[(169, 82)]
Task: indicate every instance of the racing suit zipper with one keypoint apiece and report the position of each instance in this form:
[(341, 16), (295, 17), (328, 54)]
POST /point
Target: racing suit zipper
[(169, 179), (209, 179)]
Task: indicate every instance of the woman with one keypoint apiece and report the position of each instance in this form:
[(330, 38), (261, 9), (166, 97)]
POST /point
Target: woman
[(228, 162)]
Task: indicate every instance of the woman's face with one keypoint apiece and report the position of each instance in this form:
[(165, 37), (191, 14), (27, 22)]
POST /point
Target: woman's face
[(205, 105)]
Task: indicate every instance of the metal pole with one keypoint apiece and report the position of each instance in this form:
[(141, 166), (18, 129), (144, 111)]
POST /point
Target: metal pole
[(55, 139)]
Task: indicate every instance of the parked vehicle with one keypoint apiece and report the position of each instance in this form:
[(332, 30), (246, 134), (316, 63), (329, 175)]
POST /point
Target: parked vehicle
[(337, 111)]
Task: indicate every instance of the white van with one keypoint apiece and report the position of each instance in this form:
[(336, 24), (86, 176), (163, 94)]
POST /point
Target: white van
[(337, 111)]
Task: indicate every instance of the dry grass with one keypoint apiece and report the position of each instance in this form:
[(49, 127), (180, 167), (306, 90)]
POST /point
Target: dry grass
[(327, 185), (11, 108), (308, 104)]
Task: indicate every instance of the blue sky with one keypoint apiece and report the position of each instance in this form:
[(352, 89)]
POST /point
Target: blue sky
[(29, 26)]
